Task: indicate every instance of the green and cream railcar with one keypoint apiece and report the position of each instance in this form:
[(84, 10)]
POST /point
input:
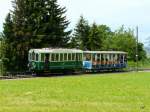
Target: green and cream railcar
[(55, 60)]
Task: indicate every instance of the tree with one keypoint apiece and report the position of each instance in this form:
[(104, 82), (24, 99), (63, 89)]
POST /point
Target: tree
[(74, 42), (141, 52), (105, 33), (8, 38), (1, 45), (81, 34), (124, 40), (50, 23), (147, 46), (95, 40), (35, 24)]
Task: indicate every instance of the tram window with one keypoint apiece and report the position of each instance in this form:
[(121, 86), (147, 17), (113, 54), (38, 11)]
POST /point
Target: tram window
[(76, 57), (110, 57), (42, 57), (65, 57), (98, 57), (46, 57), (73, 57), (57, 57), (84, 57), (80, 57), (113, 56), (61, 57), (33, 56), (117, 57), (121, 58), (94, 57), (102, 57), (88, 57), (37, 57), (53, 57), (106, 58), (125, 58), (69, 57), (30, 56)]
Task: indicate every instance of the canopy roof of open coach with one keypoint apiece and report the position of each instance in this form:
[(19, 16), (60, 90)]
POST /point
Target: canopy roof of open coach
[(106, 52)]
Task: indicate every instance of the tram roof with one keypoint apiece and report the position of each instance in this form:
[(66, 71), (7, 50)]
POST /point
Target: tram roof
[(60, 50), (106, 52)]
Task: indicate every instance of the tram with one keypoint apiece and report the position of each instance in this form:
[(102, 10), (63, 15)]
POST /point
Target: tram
[(73, 60), (55, 60)]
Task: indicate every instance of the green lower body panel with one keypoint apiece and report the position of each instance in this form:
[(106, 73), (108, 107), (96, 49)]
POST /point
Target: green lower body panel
[(59, 66)]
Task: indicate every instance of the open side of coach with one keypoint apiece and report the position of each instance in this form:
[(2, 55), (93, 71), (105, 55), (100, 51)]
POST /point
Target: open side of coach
[(104, 60)]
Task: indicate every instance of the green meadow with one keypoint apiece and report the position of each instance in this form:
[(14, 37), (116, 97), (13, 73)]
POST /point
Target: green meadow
[(120, 92)]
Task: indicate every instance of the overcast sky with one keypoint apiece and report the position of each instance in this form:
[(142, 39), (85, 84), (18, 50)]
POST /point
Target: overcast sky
[(114, 13)]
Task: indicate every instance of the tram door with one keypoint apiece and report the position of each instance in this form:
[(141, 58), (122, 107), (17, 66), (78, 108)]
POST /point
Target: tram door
[(46, 61)]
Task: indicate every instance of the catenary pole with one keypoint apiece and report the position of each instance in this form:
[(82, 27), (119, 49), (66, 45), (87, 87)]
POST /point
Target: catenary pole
[(137, 48)]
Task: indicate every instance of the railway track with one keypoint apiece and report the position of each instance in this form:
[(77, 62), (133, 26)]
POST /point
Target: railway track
[(16, 75), (23, 75)]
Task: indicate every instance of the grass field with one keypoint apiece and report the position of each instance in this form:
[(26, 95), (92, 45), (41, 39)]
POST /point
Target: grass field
[(126, 92)]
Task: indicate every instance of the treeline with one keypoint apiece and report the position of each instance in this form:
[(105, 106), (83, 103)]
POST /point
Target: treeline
[(100, 37), (43, 23)]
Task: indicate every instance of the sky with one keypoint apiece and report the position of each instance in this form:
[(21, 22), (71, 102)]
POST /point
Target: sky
[(114, 13)]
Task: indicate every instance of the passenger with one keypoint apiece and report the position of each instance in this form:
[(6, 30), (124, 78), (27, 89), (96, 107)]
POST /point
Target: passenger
[(106, 62)]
